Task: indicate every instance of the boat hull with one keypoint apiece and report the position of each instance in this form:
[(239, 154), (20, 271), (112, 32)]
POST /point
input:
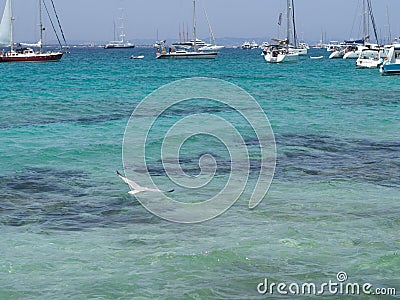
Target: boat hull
[(336, 54), (390, 68), (45, 57), (368, 63), (188, 55), (281, 58), (211, 48), (352, 55), (300, 51)]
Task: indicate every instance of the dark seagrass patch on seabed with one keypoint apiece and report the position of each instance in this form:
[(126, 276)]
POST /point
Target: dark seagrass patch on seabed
[(321, 157), (64, 200)]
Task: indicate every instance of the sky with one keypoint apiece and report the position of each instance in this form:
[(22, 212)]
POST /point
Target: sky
[(92, 20)]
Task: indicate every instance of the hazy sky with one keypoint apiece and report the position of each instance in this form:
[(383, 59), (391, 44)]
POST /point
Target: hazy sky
[(92, 20)]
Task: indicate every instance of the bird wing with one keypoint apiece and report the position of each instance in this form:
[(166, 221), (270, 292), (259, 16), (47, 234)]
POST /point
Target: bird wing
[(131, 183), (156, 190), (134, 192), (137, 188)]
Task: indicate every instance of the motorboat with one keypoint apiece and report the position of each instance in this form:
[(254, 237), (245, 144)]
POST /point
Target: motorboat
[(369, 58), (391, 65)]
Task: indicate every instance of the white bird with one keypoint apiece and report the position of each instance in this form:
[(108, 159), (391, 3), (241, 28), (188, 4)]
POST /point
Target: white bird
[(135, 188)]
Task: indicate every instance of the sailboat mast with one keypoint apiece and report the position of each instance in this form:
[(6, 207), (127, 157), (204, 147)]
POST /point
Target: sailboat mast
[(388, 21), (41, 27), (121, 28), (180, 35), (194, 26), (365, 21), (294, 25), (288, 22), (11, 27), (114, 32)]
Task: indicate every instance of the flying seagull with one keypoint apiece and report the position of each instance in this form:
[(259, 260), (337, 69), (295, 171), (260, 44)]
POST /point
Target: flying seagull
[(135, 188)]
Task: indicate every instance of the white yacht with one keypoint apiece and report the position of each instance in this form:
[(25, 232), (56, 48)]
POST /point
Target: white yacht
[(211, 47), (369, 58), (254, 45), (246, 46), (301, 49), (249, 46), (188, 45), (192, 53)]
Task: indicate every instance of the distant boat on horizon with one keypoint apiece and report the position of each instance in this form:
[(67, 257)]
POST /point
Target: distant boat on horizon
[(24, 52), (248, 46), (122, 43), (173, 53)]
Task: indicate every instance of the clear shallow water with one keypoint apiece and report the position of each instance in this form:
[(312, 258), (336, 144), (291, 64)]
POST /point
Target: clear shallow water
[(69, 229)]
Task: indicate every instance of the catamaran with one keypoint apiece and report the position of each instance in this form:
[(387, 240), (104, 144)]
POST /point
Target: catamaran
[(23, 52)]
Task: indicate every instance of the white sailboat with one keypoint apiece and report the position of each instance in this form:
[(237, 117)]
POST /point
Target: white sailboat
[(282, 52), (24, 52), (370, 55), (121, 43), (172, 53), (363, 50)]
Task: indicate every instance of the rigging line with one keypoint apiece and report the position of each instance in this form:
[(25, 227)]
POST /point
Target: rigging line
[(354, 20), (373, 20), (209, 26), (58, 21), (52, 24)]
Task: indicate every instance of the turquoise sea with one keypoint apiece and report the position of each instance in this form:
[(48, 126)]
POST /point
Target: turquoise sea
[(70, 230)]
